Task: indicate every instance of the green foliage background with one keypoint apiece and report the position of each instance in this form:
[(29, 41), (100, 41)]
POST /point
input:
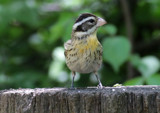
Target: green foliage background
[(32, 34)]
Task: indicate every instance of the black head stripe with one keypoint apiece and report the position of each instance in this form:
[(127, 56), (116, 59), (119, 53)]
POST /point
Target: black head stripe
[(83, 16), (79, 28), (84, 27)]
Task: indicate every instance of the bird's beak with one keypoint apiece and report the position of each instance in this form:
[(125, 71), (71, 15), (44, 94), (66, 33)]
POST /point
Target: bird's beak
[(101, 22)]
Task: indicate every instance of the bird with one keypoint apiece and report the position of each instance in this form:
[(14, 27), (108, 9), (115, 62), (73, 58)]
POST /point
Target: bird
[(83, 52)]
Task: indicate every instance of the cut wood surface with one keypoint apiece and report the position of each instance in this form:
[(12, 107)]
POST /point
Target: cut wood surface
[(133, 99)]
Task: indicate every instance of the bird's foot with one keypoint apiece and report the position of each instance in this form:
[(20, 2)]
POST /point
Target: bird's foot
[(100, 86), (72, 87)]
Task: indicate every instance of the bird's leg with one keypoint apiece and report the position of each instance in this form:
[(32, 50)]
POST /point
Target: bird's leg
[(99, 82), (73, 75)]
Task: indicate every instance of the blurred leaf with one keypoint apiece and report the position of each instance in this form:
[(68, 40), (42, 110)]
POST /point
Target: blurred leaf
[(156, 34), (149, 66), (15, 32), (20, 12), (71, 3), (28, 78), (59, 28), (135, 60), (135, 81), (68, 30), (110, 29), (140, 10), (116, 51), (56, 67), (38, 42), (4, 79), (153, 80)]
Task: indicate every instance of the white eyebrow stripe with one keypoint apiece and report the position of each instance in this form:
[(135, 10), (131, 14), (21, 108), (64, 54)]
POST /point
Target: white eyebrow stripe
[(84, 20)]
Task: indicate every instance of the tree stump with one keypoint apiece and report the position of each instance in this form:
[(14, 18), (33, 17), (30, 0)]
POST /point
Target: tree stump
[(132, 99)]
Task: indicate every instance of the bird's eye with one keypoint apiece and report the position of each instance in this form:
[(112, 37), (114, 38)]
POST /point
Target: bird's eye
[(91, 21)]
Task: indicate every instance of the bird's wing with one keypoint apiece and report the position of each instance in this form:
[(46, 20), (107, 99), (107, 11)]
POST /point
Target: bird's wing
[(68, 45)]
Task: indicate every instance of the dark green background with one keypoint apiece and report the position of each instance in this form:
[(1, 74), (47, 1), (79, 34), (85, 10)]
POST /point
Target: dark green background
[(32, 34)]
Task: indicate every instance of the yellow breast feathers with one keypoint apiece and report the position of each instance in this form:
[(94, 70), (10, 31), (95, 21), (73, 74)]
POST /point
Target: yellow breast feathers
[(90, 42)]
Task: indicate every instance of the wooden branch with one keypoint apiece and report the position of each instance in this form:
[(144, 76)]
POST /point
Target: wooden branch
[(128, 20), (133, 99), (129, 31)]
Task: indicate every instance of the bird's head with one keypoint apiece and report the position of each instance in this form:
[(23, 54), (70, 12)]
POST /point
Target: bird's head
[(87, 24)]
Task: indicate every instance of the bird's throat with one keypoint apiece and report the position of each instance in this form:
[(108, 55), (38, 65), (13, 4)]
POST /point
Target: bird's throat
[(90, 43)]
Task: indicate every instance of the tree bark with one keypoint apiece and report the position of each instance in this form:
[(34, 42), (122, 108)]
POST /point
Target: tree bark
[(133, 99)]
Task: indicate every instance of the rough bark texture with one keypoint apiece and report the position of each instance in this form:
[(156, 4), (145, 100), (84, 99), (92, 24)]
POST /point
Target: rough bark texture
[(135, 99)]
